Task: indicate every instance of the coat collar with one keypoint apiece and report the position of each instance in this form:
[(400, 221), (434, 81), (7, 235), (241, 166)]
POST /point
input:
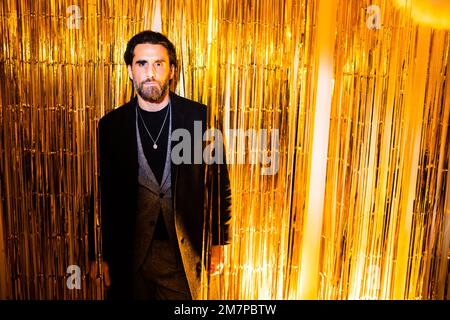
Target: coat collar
[(177, 113)]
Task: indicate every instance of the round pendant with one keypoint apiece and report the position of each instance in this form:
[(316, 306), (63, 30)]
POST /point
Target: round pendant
[(155, 146)]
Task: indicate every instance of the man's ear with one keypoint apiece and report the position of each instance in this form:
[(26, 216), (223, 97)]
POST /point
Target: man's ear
[(172, 72), (130, 74)]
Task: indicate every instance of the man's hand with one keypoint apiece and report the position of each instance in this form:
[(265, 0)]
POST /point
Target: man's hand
[(217, 258), (94, 272)]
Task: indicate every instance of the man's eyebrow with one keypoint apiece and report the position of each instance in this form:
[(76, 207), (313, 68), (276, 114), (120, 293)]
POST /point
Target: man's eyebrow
[(145, 61)]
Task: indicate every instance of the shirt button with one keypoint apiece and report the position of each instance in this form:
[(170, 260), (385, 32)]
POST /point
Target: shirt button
[(152, 223)]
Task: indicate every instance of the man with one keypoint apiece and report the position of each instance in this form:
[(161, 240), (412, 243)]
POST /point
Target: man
[(152, 209)]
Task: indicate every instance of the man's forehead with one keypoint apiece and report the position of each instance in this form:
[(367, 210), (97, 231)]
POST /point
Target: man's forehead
[(151, 50)]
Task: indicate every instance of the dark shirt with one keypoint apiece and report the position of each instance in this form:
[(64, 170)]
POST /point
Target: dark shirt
[(156, 158)]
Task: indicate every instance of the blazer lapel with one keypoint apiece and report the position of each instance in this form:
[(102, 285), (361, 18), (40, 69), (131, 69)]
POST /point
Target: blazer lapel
[(177, 122), (130, 139)]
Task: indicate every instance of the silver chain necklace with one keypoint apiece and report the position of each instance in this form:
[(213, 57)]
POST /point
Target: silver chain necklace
[(155, 146)]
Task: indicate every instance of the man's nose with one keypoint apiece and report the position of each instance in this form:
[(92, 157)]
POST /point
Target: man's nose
[(150, 72)]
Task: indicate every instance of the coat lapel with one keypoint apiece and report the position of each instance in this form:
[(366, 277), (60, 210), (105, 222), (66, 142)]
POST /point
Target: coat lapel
[(177, 123), (130, 140)]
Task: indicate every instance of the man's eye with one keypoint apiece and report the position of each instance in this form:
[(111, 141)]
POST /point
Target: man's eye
[(158, 64), (141, 64)]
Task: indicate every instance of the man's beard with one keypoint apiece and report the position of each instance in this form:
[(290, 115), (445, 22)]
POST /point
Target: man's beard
[(152, 93)]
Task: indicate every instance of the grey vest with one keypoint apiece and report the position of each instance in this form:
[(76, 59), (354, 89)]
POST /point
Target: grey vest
[(151, 198)]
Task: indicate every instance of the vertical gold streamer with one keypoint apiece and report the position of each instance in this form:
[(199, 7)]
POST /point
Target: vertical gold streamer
[(312, 228), (415, 93)]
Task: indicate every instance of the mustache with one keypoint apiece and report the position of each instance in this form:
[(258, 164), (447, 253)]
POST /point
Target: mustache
[(149, 81)]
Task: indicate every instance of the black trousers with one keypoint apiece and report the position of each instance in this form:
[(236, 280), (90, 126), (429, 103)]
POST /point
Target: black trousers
[(161, 276)]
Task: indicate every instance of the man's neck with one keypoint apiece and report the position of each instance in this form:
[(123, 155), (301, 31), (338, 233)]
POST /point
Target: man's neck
[(153, 107)]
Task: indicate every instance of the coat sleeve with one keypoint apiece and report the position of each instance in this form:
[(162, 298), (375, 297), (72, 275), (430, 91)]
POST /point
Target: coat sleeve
[(221, 203), (105, 187)]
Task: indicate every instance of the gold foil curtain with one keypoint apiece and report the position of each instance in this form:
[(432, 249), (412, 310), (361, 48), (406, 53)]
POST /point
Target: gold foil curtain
[(385, 225), (385, 228), (249, 61), (386, 218), (61, 70)]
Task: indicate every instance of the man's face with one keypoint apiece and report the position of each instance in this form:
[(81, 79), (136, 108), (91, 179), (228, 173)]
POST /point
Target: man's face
[(151, 72)]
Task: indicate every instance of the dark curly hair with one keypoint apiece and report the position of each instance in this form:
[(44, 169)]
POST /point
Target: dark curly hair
[(152, 38)]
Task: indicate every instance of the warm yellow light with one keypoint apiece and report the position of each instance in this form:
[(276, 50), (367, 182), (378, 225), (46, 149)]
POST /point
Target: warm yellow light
[(433, 13)]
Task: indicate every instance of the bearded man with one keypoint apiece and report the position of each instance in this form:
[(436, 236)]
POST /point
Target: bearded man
[(153, 217)]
